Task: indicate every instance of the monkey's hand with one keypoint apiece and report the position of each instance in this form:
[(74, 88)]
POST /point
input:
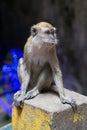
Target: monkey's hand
[(34, 92), (72, 102), (74, 105), (17, 94), (19, 98)]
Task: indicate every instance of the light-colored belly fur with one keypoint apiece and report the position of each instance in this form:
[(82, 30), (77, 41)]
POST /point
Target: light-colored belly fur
[(38, 63)]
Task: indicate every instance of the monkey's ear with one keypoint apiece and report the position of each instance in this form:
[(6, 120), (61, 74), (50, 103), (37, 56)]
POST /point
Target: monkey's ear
[(33, 31), (55, 30)]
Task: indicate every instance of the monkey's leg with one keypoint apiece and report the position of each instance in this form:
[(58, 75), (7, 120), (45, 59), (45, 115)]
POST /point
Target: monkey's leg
[(24, 78), (44, 82), (64, 99)]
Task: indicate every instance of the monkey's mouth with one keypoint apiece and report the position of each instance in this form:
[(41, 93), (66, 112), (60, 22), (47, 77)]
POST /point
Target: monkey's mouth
[(50, 43)]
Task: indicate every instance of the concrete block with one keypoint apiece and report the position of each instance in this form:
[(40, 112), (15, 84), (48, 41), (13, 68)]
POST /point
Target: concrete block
[(46, 112)]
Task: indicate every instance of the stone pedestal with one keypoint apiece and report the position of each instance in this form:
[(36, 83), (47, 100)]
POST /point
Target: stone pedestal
[(46, 112)]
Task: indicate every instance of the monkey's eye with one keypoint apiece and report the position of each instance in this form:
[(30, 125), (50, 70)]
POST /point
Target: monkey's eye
[(52, 32), (47, 32)]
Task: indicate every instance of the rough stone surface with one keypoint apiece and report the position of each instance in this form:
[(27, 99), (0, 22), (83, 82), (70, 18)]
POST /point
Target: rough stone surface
[(46, 112)]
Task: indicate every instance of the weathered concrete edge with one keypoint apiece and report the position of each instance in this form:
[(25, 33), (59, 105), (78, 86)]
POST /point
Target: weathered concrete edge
[(80, 99), (53, 113), (44, 105), (79, 116)]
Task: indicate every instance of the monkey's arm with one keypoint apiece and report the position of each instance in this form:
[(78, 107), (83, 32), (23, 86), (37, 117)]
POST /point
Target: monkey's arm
[(24, 78), (57, 77)]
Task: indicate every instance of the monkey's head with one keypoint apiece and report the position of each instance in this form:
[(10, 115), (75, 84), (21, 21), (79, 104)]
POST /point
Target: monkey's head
[(44, 33)]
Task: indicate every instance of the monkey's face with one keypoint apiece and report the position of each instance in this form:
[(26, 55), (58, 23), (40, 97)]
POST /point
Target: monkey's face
[(48, 36), (44, 35)]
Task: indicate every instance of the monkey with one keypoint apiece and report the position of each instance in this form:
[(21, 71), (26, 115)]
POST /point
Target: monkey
[(39, 66)]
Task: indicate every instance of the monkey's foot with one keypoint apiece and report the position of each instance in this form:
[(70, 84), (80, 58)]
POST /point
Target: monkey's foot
[(32, 94), (72, 102), (18, 101), (17, 94)]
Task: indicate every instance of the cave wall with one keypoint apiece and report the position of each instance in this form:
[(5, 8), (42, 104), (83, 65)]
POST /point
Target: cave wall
[(70, 18)]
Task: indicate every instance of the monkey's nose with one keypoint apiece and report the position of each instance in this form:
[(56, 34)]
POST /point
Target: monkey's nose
[(52, 43), (51, 36)]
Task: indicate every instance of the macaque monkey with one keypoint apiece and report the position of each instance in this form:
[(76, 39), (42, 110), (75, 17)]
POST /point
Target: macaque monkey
[(40, 66)]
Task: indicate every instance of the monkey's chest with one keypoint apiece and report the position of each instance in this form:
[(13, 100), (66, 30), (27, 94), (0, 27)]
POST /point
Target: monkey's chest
[(37, 66), (39, 60)]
